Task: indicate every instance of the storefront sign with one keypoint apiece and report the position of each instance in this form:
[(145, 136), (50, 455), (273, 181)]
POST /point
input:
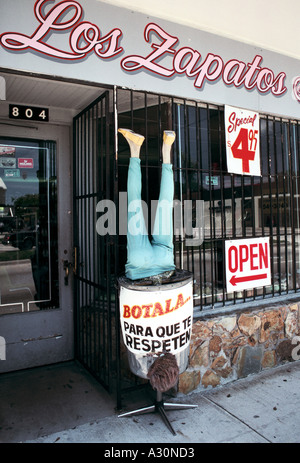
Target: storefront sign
[(86, 39), (242, 141), (247, 263), (7, 162), (212, 180), (25, 163), (12, 173), (296, 88), (157, 321), (7, 151)]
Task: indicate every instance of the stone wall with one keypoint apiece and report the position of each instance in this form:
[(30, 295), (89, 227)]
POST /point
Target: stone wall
[(229, 347)]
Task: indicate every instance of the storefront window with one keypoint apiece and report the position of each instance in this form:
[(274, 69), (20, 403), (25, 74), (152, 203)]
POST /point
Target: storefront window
[(224, 205), (28, 226), (238, 206)]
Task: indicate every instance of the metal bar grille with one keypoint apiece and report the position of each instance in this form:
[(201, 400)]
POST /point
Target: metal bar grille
[(232, 206), (94, 277), (235, 206)]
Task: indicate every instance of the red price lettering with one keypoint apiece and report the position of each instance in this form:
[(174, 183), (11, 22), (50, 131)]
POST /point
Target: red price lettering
[(241, 149)]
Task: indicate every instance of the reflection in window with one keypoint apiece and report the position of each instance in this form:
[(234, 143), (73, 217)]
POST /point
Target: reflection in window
[(28, 226)]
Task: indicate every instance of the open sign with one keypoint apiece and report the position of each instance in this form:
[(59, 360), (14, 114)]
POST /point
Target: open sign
[(247, 263)]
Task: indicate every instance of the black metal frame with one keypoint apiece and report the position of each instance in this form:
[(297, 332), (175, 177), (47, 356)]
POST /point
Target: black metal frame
[(93, 291), (235, 207)]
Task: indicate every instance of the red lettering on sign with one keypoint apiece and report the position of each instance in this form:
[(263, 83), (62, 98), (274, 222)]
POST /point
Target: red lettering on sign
[(255, 254), (233, 263), (244, 255), (150, 311), (132, 63), (158, 310), (126, 313), (247, 263), (147, 310), (263, 255), (186, 59), (86, 37), (235, 122), (104, 46), (136, 311), (240, 150)]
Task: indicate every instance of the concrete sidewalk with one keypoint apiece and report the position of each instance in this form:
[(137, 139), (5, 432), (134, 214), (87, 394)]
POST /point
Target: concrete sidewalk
[(260, 409)]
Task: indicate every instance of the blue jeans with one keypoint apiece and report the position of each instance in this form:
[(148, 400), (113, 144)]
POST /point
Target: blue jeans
[(146, 259)]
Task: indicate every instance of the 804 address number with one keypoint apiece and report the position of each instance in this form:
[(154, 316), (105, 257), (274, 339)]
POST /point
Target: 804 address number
[(29, 113)]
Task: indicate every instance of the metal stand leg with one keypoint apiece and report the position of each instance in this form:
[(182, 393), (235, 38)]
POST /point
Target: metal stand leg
[(160, 407), (139, 411)]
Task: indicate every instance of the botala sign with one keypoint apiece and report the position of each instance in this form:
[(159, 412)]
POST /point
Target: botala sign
[(157, 321), (162, 53)]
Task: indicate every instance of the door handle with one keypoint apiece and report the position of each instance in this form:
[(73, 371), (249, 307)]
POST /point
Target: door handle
[(67, 265)]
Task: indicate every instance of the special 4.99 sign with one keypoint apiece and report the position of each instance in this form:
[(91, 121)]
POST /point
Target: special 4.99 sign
[(242, 141)]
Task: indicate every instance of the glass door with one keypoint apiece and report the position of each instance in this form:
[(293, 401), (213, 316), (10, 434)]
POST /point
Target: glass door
[(28, 227), (36, 298)]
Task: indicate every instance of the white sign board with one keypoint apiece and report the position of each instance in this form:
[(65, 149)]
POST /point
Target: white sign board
[(156, 321), (242, 141), (247, 263)]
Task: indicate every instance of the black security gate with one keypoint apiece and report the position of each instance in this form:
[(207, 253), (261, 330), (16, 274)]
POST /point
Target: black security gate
[(95, 255), (223, 206)]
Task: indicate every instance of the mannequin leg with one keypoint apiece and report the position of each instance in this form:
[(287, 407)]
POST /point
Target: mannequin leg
[(139, 249), (163, 225)]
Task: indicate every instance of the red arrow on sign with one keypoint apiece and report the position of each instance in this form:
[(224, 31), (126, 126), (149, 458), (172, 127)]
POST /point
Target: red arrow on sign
[(234, 280)]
